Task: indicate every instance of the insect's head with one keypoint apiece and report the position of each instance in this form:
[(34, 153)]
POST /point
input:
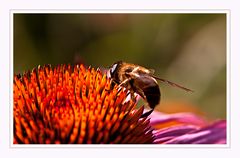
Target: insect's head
[(114, 68)]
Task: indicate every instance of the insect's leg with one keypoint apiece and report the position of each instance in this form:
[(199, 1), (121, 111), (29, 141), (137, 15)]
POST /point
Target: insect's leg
[(119, 87), (146, 114), (133, 98), (124, 82), (141, 93)]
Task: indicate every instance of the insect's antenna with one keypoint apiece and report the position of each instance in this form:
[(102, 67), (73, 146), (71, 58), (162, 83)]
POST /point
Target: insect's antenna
[(173, 84)]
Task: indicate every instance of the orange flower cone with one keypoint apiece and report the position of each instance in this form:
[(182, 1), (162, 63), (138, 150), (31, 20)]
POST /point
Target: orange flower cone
[(69, 104)]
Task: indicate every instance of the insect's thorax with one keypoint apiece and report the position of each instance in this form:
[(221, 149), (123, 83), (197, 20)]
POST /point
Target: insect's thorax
[(134, 74)]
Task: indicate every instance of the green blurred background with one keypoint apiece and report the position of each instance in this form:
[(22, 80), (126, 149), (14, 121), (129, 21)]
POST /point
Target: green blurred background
[(189, 49)]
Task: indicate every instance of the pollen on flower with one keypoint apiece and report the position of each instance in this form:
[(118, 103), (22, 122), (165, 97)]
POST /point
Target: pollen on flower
[(68, 104)]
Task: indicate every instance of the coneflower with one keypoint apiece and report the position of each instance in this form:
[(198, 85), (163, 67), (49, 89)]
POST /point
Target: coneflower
[(77, 105)]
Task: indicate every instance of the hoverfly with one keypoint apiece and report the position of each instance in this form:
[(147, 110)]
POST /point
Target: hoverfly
[(140, 80)]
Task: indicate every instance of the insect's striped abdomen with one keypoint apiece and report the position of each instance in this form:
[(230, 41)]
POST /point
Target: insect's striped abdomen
[(153, 95)]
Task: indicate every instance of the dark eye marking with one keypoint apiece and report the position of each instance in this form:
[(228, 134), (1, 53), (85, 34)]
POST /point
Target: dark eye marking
[(113, 68)]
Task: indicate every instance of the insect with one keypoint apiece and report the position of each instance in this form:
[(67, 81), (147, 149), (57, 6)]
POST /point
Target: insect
[(140, 80)]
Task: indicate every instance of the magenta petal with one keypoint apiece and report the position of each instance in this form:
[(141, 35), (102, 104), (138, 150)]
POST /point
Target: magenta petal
[(168, 133), (188, 118), (212, 134), (174, 131)]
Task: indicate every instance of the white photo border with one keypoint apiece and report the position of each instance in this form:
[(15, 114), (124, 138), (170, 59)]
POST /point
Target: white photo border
[(124, 11)]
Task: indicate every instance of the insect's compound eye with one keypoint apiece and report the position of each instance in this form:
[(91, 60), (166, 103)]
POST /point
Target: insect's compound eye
[(113, 69)]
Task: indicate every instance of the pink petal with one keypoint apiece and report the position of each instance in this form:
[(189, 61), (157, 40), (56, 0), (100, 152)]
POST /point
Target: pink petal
[(212, 134), (187, 118)]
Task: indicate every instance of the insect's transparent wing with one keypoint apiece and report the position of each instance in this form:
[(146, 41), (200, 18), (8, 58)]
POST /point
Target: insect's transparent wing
[(151, 71), (172, 84)]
